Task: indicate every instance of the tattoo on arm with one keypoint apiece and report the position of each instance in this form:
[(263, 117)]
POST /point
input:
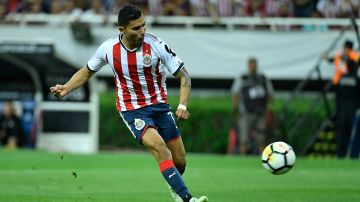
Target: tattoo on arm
[(184, 76)]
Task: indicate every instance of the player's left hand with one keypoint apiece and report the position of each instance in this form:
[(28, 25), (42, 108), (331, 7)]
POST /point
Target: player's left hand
[(182, 114)]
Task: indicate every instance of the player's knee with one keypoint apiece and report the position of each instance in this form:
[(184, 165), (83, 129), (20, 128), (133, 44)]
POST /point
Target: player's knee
[(161, 150)]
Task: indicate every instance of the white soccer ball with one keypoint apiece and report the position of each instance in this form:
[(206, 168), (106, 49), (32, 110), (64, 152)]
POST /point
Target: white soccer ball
[(278, 158)]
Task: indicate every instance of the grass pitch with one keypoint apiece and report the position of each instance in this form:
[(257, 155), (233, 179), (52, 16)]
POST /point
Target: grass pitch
[(33, 176)]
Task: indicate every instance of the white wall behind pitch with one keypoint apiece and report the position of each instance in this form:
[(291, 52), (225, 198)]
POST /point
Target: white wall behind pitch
[(207, 53)]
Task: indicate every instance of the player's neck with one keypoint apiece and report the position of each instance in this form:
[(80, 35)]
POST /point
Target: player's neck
[(127, 43)]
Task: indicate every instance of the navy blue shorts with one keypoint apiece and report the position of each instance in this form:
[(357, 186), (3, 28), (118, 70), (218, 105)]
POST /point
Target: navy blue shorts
[(157, 116)]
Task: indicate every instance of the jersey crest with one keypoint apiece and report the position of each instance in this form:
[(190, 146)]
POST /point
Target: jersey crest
[(147, 59), (139, 124)]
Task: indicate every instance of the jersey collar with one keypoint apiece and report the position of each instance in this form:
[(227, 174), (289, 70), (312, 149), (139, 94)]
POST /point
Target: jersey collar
[(126, 48)]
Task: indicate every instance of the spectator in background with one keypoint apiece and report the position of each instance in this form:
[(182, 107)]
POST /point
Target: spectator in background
[(155, 7), (279, 8), (239, 8), (2, 11), (13, 6), (256, 8), (116, 5), (252, 97), (222, 8), (70, 9), (327, 8), (56, 7), (200, 8), (348, 97), (184, 7), (176, 8), (303, 8), (35, 7), (96, 8), (169, 8), (348, 8), (11, 131)]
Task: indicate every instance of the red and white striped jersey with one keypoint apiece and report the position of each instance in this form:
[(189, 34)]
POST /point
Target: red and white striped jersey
[(139, 74)]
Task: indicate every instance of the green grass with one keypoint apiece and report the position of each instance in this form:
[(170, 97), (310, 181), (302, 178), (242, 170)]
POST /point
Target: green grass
[(33, 176)]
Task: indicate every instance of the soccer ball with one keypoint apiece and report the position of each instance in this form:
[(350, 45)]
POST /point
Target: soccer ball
[(278, 158)]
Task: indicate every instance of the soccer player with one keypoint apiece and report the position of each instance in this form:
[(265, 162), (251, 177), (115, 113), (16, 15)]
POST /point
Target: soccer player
[(139, 61)]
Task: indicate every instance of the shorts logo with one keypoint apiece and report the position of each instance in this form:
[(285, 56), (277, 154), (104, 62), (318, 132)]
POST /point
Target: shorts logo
[(139, 124), (147, 59)]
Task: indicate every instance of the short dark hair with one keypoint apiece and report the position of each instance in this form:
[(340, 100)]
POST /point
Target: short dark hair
[(252, 59), (348, 44), (128, 13)]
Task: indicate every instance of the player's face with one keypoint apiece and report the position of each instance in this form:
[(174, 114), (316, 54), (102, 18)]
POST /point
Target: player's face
[(135, 31), (252, 67), (7, 109)]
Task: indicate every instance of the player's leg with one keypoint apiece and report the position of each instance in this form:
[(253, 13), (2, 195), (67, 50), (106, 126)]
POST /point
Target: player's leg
[(171, 135), (142, 127), (177, 150), (355, 148), (340, 132), (168, 130), (156, 145), (260, 135), (244, 133), (178, 154)]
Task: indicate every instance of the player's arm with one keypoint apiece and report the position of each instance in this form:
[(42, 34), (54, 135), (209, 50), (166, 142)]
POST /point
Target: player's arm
[(185, 87), (236, 97), (270, 94), (77, 80)]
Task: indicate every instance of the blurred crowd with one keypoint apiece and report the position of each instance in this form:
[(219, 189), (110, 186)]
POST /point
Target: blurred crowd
[(210, 8)]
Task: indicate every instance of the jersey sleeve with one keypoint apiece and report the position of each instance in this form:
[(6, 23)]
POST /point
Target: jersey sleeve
[(236, 85), (168, 57), (98, 59), (269, 87)]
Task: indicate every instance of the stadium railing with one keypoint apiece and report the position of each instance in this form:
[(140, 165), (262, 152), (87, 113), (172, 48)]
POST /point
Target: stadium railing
[(229, 23)]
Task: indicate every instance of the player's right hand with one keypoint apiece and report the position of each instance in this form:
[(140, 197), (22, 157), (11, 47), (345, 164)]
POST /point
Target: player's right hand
[(58, 90), (182, 114)]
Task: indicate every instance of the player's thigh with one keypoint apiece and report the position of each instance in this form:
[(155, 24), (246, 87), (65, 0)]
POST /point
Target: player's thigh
[(166, 126), (137, 122), (154, 142), (177, 151)]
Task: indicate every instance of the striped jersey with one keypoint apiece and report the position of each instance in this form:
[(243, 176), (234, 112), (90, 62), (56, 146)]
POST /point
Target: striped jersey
[(139, 74)]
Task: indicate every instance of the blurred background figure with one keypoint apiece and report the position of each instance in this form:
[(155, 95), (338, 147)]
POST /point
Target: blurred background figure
[(11, 131), (348, 8), (176, 8), (340, 60), (279, 8), (2, 11), (200, 8), (251, 97), (222, 8), (255, 8), (155, 7), (355, 137), (348, 97), (328, 8), (303, 8)]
